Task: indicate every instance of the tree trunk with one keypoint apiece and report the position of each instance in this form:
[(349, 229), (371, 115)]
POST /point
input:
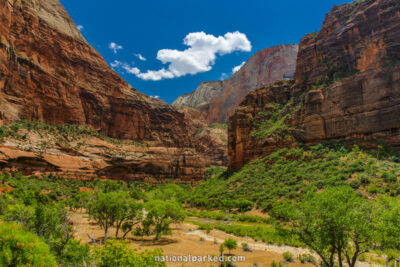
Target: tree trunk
[(105, 233)]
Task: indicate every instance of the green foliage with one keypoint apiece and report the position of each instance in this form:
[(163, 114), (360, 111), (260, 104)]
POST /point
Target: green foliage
[(306, 258), (119, 254), (230, 244), (63, 133), (168, 192), (387, 224), (288, 256), (266, 233), (75, 254), (222, 126), (336, 222), (272, 123), (290, 172), (21, 248), (160, 214), (221, 216), (112, 208), (274, 264)]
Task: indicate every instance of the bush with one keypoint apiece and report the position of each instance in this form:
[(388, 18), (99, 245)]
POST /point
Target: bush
[(246, 247), (118, 253), (288, 256), (75, 254), (274, 264), (21, 248), (306, 258)]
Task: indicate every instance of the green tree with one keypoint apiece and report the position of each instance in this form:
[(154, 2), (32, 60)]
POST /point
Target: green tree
[(230, 244), (118, 254), (387, 225), (106, 209), (160, 215), (21, 248), (336, 224), (51, 223), (75, 254), (129, 214)]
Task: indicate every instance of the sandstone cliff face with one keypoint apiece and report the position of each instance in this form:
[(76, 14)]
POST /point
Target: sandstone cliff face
[(347, 86), (265, 67), (203, 95), (48, 150), (353, 38), (49, 73), (210, 140)]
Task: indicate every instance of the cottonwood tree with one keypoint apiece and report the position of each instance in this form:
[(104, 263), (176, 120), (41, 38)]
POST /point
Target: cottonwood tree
[(336, 224), (160, 214), (129, 214), (105, 209), (387, 225)]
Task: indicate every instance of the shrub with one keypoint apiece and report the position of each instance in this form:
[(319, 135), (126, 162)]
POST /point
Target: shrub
[(288, 256), (306, 258), (355, 184), (274, 264), (75, 254), (246, 247), (118, 253), (21, 248)]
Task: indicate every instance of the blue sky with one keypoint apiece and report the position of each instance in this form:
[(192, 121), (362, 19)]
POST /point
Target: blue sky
[(146, 27)]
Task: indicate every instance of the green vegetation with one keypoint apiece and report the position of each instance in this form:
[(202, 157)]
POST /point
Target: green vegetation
[(40, 208), (62, 133), (339, 225), (118, 254), (272, 123), (288, 256), (222, 216), (114, 208), (160, 215), (21, 248), (230, 244), (222, 126), (290, 172), (316, 196)]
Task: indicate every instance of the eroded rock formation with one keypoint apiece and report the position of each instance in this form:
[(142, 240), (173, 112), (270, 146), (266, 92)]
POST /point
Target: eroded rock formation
[(347, 86), (217, 100), (49, 73)]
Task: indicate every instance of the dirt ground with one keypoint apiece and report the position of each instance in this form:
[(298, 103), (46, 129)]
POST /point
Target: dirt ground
[(186, 239)]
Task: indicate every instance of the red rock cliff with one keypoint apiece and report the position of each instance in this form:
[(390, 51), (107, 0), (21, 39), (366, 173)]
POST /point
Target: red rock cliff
[(218, 100), (49, 73), (347, 86)]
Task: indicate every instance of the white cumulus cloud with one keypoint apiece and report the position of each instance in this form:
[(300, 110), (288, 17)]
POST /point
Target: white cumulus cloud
[(115, 47), (199, 57), (139, 56), (155, 96), (80, 27), (237, 68)]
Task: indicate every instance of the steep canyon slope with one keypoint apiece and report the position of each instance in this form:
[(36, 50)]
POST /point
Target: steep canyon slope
[(50, 74), (347, 85), (217, 100)]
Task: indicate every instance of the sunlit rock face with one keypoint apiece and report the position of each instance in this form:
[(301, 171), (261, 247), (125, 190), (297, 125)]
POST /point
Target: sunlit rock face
[(50, 74), (347, 85), (217, 100)]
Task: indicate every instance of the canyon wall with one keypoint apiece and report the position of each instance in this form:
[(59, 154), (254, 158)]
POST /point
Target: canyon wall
[(50, 74), (347, 85), (218, 100)]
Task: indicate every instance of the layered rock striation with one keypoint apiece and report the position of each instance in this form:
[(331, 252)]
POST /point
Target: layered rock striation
[(347, 85), (50, 74), (218, 100)]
